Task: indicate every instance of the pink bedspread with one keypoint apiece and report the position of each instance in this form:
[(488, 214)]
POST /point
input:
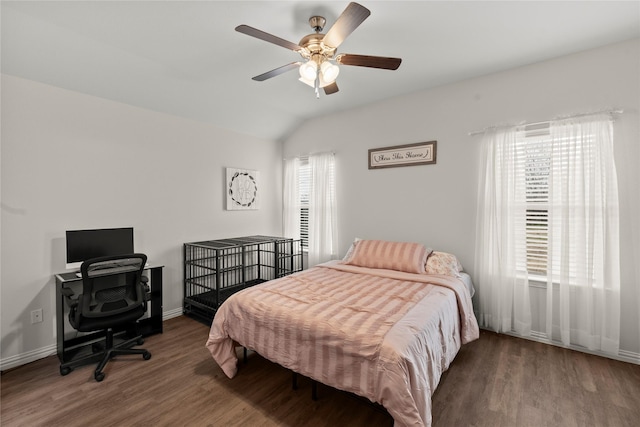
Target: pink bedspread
[(381, 334)]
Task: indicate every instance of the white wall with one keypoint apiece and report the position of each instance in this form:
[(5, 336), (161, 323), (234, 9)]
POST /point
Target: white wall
[(57, 146), (71, 161), (435, 204)]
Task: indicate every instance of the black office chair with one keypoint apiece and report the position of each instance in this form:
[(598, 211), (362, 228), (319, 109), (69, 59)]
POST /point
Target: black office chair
[(114, 295)]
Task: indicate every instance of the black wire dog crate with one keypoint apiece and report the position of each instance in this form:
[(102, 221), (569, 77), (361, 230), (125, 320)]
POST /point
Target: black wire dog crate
[(216, 269)]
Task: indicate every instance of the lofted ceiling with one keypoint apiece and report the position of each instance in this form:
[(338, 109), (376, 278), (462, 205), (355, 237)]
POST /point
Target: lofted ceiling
[(184, 57)]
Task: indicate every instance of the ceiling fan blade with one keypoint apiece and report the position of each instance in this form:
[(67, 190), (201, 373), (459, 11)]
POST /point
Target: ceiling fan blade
[(348, 21), (276, 71), (254, 32), (369, 61), (330, 88)]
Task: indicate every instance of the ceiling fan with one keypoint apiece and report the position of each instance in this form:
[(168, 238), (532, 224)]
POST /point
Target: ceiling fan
[(319, 67)]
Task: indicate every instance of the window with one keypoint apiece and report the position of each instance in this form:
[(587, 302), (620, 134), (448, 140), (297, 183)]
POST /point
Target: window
[(309, 205), (548, 211), (304, 187), (535, 152), (540, 158)]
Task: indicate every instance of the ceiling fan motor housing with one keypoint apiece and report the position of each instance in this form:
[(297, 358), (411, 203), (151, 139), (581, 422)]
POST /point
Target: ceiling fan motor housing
[(315, 49), (317, 23)]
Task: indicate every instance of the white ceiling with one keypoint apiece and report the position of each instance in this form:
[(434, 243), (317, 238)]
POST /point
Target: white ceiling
[(184, 57)]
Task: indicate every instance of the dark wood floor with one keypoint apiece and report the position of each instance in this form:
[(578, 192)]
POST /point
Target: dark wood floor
[(495, 381)]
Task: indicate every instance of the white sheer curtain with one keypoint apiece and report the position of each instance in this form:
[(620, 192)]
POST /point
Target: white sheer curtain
[(584, 235), (323, 230), (291, 199), (553, 198), (503, 291)]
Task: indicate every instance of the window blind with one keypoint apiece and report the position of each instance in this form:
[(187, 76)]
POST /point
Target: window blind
[(304, 185), (539, 161), (536, 163)]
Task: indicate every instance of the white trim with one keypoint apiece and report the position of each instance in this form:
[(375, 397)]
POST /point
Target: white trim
[(28, 357), (50, 350), (623, 355), (629, 356), (166, 315)]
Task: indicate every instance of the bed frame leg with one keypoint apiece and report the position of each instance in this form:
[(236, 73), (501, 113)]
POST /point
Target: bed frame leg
[(314, 390), (294, 380)]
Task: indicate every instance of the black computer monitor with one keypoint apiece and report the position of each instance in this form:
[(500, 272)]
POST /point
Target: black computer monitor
[(85, 244)]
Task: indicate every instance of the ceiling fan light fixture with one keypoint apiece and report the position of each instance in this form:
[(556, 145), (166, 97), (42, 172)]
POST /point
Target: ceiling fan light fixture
[(329, 71), (309, 70), (311, 83), (322, 82)]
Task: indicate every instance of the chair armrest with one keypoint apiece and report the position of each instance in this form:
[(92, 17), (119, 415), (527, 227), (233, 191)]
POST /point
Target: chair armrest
[(144, 280), (68, 296)]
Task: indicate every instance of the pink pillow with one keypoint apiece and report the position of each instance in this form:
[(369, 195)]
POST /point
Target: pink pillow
[(401, 256), (443, 263)]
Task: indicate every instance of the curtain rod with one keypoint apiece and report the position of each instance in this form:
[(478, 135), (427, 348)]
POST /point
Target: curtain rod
[(306, 156), (546, 122)]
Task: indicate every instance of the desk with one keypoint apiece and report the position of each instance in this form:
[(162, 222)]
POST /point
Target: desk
[(68, 348)]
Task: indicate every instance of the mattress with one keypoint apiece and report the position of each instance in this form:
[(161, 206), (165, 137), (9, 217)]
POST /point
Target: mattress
[(382, 334), (466, 279)]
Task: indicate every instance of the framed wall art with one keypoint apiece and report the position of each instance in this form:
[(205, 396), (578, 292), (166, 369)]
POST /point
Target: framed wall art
[(422, 153), (242, 189)]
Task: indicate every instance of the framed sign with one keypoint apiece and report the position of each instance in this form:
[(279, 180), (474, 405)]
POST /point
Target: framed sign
[(242, 189), (422, 153)]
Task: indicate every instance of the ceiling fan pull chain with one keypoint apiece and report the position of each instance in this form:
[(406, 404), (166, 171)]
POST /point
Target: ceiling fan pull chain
[(317, 86)]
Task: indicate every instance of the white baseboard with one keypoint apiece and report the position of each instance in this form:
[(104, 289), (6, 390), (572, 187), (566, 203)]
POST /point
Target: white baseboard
[(629, 356), (41, 353), (171, 314), (623, 355), (28, 357)]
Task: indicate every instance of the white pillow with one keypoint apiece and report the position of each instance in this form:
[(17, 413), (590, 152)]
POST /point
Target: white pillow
[(349, 253), (443, 263)]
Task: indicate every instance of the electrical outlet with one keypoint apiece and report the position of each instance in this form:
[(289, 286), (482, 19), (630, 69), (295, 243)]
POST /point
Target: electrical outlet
[(36, 316)]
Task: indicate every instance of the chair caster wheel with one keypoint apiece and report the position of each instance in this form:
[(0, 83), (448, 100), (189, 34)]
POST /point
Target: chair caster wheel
[(99, 376), (146, 355), (65, 371), (140, 341)]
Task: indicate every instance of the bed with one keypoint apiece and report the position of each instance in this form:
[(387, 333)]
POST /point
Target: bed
[(379, 324)]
